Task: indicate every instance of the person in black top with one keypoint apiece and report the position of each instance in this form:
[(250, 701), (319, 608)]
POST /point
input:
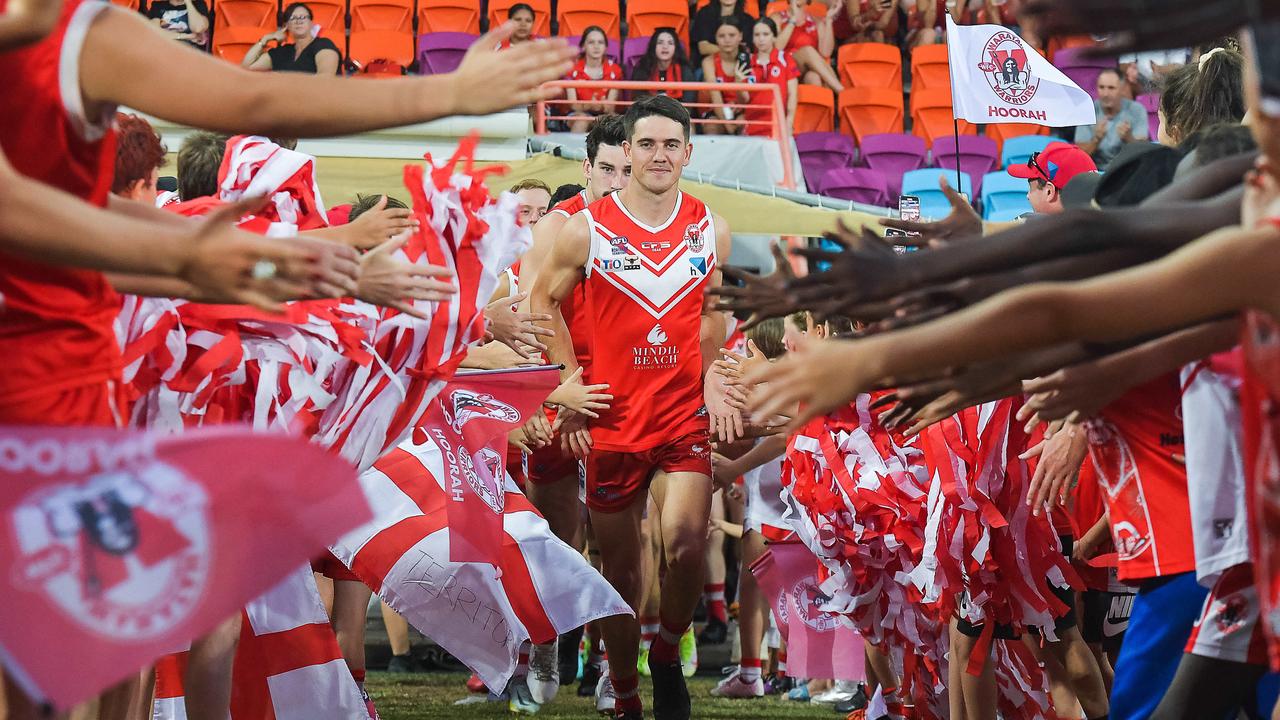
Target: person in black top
[(664, 61), (702, 34), (306, 53), (185, 20)]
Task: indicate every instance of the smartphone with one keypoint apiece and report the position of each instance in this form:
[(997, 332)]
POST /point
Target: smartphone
[(909, 207), (894, 233)]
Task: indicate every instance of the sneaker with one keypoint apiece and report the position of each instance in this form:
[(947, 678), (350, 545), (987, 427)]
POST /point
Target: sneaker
[(688, 653), (857, 702), (368, 705), (544, 672), (735, 687), (476, 685), (567, 658), (404, 664), (590, 677), (519, 700), (642, 662), (670, 693), (605, 699), (714, 633), (842, 690), (799, 693), (774, 685)]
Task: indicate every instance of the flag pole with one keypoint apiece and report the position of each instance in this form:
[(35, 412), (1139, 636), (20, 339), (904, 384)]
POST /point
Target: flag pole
[(955, 121)]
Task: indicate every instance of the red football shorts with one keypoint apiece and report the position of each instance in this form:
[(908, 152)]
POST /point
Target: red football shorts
[(332, 568), (552, 464), (99, 404), (616, 479)]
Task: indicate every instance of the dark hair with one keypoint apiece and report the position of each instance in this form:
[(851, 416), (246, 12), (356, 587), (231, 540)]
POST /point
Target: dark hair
[(1223, 140), (1193, 97), (605, 130), (662, 105), (139, 151), (582, 41), (364, 203), (564, 192), (199, 158), (769, 23), (1114, 71), (649, 61), (768, 337), (288, 10), (511, 11)]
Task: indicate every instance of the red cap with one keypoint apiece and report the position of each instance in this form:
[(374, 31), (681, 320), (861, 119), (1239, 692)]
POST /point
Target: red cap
[(1057, 163)]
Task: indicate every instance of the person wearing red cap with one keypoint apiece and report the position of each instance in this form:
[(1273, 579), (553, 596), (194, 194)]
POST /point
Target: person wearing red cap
[(1049, 171)]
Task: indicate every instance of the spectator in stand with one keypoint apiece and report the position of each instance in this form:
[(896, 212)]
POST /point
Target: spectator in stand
[(139, 155), (593, 64), (306, 52), (1197, 96), (199, 157), (706, 26), (664, 61), (729, 63), (535, 199), (996, 12), (1123, 121), (523, 17), (1048, 172), (809, 42), (871, 20), (184, 20), (927, 22), (773, 65)]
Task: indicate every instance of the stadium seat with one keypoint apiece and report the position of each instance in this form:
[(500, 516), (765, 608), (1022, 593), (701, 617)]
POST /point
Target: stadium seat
[(750, 7), (1003, 132), (633, 49), (815, 109), (646, 16), (458, 16), (233, 43), (870, 111), (331, 16), (975, 154), (873, 65), (1019, 149), (575, 16), (441, 52), (541, 14), (135, 5), (862, 185), (924, 185), (1151, 101), (382, 15), (823, 151), (930, 68), (776, 7), (893, 154), (931, 116), (260, 14), (1004, 197), (381, 30), (1082, 69)]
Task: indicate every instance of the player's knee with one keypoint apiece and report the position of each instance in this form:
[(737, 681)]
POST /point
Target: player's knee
[(686, 548)]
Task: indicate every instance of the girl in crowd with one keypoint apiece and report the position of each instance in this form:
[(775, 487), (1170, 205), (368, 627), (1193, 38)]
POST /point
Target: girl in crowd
[(770, 64), (810, 41), (730, 63), (593, 64), (664, 61)]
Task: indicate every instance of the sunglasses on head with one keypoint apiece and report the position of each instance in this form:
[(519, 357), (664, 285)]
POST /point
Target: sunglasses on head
[(1033, 162)]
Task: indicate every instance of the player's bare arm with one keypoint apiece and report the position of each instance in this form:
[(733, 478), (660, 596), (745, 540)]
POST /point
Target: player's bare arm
[(544, 237)]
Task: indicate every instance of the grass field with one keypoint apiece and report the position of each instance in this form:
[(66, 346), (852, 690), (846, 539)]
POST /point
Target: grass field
[(431, 695)]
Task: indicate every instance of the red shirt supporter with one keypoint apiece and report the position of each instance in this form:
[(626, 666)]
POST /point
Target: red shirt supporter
[(805, 34), (56, 330), (610, 71), (723, 75), (779, 70), (1132, 444)]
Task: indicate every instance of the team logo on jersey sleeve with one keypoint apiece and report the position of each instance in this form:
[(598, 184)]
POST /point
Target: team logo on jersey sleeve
[(693, 239), (618, 245)]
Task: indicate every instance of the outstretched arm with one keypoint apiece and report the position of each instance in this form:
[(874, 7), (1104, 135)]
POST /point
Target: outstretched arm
[(561, 272)]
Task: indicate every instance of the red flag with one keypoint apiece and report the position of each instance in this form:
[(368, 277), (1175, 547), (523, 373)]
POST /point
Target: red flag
[(470, 420), (126, 545), (254, 165)]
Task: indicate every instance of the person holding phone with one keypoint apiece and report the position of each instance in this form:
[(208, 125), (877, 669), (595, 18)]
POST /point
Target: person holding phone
[(298, 50), (731, 63), (185, 20), (871, 21), (771, 64)]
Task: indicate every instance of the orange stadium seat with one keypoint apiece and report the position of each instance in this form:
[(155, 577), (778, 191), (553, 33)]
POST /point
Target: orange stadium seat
[(131, 4), (331, 16), (929, 67), (449, 16), (233, 43), (776, 7), (870, 111), (578, 15), (646, 16), (381, 29), (931, 116), (815, 109), (1003, 131), (260, 14), (541, 14), (750, 7), (876, 65), (382, 15)]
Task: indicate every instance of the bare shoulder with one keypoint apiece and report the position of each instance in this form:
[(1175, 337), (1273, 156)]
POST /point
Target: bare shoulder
[(724, 236), (572, 242)]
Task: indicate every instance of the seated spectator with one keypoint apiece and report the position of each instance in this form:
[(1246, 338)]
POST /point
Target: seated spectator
[(730, 63), (1197, 96), (707, 22), (996, 12), (664, 61), (871, 21), (592, 64), (184, 20), (139, 155), (1121, 121), (199, 157), (522, 15), (927, 21), (303, 53), (535, 199), (771, 64), (810, 42)]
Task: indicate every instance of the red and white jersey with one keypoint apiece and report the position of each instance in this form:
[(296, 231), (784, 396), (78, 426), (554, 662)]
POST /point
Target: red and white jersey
[(609, 70), (645, 292), (573, 308), (1132, 444), (56, 330), (572, 206)]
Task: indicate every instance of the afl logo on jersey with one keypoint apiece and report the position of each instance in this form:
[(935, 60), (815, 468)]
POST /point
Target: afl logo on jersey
[(618, 245), (693, 238)]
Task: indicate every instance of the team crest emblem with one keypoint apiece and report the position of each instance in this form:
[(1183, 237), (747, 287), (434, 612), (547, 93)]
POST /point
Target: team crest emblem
[(693, 239), (468, 406), (125, 554), (1008, 70), (484, 472), (809, 601), (1231, 614)]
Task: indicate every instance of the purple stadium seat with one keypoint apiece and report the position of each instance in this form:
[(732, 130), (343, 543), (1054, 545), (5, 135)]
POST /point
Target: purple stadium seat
[(862, 185), (1151, 101), (822, 151), (977, 156), (1083, 70), (632, 50), (441, 52), (612, 49), (893, 154)]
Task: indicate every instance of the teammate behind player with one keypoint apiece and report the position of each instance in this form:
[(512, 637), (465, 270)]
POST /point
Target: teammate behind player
[(646, 255)]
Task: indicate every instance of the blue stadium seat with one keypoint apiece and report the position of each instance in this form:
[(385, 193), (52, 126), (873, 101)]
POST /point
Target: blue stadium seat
[(1004, 197), (923, 183), (1019, 149)]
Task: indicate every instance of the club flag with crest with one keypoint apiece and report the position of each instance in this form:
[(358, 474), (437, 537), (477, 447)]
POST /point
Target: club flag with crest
[(996, 77), (126, 545)]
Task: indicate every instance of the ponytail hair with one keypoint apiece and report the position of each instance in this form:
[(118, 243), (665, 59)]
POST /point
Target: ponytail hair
[(1206, 93)]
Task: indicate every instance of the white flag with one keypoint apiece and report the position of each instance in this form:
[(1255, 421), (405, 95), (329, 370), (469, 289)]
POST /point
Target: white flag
[(998, 78)]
